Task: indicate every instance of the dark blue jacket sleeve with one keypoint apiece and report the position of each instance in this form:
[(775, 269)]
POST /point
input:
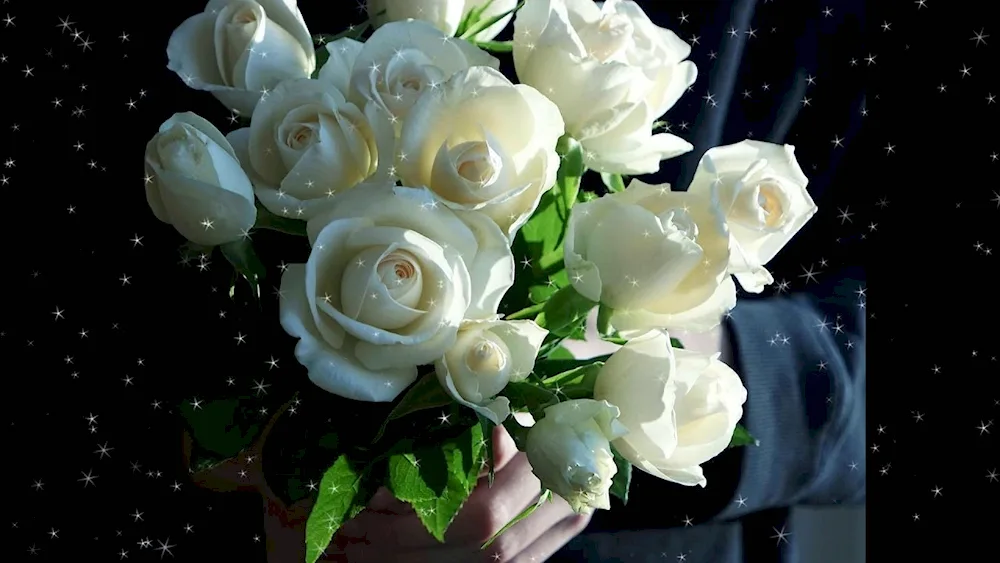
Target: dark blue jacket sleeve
[(802, 359)]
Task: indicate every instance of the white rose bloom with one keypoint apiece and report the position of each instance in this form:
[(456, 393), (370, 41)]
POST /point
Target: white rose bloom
[(569, 450), (445, 15), (611, 71), (306, 144), (239, 49), (403, 59), (391, 276), (762, 191), (486, 356), (340, 63), (681, 407), (483, 144), (658, 257), (195, 183)]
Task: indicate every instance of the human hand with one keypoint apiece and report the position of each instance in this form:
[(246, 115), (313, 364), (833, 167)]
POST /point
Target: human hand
[(388, 530)]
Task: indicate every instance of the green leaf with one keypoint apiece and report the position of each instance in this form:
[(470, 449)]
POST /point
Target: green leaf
[(674, 343), (542, 499), (550, 367), (496, 46), (221, 427), (437, 480), (615, 340), (623, 478), (241, 255), (604, 314), (338, 498), (479, 24), (529, 397), (565, 309), (582, 376), (571, 169), (543, 233), (202, 459), (560, 353), (487, 427), (273, 222), (742, 437), (426, 393), (613, 182)]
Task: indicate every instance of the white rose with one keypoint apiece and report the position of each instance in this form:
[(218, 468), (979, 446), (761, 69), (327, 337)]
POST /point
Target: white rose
[(762, 191), (306, 144), (569, 451), (338, 67), (658, 257), (239, 49), (445, 15), (195, 183), (611, 71), (486, 356), (403, 59), (390, 278), (681, 407), (483, 144)]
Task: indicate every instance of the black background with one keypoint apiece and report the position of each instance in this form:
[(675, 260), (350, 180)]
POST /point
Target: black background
[(921, 218)]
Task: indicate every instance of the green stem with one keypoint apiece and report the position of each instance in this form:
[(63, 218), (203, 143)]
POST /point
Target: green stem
[(496, 46), (525, 313)]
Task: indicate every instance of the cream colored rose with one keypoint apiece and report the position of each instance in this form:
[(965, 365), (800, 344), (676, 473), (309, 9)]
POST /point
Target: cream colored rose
[(195, 183), (569, 451), (762, 191), (391, 277), (339, 64), (486, 356), (681, 407), (401, 60), (240, 49), (658, 257), (483, 144), (445, 15), (611, 71), (306, 144)]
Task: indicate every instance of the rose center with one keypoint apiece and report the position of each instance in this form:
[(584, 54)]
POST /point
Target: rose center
[(680, 220), (771, 201), (477, 163), (400, 273), (608, 37), (486, 358), (245, 16), (301, 135)]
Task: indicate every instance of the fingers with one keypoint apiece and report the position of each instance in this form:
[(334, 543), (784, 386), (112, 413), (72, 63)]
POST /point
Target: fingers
[(545, 521), (504, 449), (547, 544), (490, 508)]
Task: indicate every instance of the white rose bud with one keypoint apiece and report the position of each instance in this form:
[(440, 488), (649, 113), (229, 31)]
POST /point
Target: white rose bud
[(570, 451), (486, 356), (239, 49), (445, 15), (658, 257), (389, 280), (195, 183), (611, 71), (483, 144), (681, 407), (306, 144), (401, 60), (762, 191)]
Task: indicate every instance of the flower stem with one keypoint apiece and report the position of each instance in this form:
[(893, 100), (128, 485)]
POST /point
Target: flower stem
[(525, 313)]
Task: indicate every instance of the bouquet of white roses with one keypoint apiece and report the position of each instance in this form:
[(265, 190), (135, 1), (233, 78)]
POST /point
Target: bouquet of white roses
[(453, 248)]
